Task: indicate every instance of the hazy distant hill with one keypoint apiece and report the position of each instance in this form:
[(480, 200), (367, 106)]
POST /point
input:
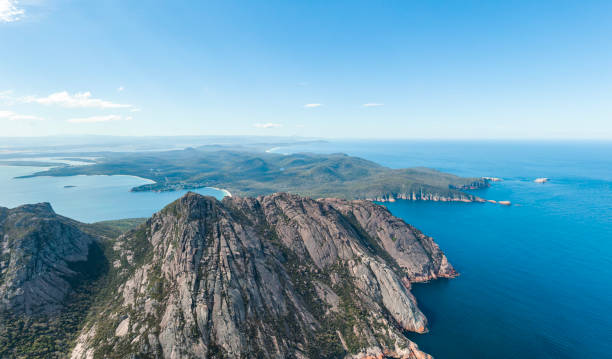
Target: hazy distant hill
[(258, 173)]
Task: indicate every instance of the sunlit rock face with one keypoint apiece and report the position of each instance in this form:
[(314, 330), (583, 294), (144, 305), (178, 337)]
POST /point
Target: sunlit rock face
[(274, 276), (42, 257)]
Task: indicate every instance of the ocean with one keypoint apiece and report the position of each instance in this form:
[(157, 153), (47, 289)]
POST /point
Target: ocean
[(536, 276)]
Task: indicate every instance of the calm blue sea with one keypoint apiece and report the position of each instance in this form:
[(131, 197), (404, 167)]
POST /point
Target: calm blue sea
[(92, 199), (536, 277)]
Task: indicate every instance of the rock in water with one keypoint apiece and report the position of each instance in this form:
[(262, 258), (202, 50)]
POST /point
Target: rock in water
[(278, 276)]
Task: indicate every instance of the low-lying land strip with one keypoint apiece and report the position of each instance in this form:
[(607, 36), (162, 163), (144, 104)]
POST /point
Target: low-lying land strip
[(255, 173)]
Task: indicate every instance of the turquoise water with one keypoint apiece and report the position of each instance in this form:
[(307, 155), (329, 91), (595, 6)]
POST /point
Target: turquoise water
[(536, 277), (94, 198)]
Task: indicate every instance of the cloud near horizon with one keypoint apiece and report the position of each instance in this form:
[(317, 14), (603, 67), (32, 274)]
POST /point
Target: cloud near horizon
[(12, 116), (77, 100), (312, 105), (373, 104), (268, 125), (97, 119), (9, 11)]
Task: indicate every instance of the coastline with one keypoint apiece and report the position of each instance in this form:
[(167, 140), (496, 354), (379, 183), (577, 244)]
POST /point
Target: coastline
[(146, 180), (271, 150), (150, 181), (227, 193)]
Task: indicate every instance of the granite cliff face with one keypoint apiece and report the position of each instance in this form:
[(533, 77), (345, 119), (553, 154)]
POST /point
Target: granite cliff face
[(40, 253), (49, 269), (278, 276)]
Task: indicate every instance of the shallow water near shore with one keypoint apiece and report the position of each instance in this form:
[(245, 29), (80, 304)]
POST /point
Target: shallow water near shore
[(536, 276), (86, 198)]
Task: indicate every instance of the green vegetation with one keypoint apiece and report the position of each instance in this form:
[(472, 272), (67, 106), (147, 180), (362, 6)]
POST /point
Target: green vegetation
[(53, 335), (254, 173), (116, 227)]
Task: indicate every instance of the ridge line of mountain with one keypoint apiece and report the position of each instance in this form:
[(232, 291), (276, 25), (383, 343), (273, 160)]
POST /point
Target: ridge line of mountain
[(273, 276), (254, 174)]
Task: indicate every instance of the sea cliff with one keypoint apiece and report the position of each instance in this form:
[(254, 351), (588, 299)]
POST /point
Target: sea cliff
[(271, 276)]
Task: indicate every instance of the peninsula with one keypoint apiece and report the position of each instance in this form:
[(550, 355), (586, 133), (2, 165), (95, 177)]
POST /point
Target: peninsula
[(245, 173)]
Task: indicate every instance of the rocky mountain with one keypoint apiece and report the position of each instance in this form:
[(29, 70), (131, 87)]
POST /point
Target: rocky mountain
[(277, 276), (41, 260), (48, 264)]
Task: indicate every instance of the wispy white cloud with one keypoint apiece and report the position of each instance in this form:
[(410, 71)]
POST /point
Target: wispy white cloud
[(268, 125), (6, 94), (7, 97), (373, 104), (135, 109), (79, 99), (311, 105), (12, 116), (96, 119), (10, 11), (120, 89)]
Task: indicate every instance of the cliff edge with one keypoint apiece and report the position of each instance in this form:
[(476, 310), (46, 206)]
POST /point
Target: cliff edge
[(275, 276)]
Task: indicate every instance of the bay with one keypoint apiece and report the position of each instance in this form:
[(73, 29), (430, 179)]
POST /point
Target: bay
[(86, 198)]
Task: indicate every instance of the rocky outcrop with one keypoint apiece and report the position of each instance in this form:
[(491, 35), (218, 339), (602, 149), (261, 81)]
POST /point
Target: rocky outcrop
[(40, 259), (430, 193), (276, 276), (428, 196), (419, 256)]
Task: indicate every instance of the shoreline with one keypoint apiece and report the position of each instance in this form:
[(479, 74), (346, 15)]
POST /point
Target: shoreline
[(227, 193), (146, 180), (271, 150)]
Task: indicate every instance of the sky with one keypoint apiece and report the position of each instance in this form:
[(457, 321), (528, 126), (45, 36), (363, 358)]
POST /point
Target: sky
[(455, 69)]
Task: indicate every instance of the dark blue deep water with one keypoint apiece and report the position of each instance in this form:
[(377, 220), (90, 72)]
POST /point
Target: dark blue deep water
[(536, 277)]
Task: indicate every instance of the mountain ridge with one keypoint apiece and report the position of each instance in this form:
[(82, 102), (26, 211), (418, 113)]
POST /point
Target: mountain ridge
[(270, 276), (253, 174)]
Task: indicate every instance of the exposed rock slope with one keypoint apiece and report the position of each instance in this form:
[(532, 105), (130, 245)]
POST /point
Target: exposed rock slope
[(279, 276), (49, 266), (40, 252)]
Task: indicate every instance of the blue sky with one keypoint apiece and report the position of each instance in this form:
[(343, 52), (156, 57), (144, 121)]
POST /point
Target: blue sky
[(384, 69)]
